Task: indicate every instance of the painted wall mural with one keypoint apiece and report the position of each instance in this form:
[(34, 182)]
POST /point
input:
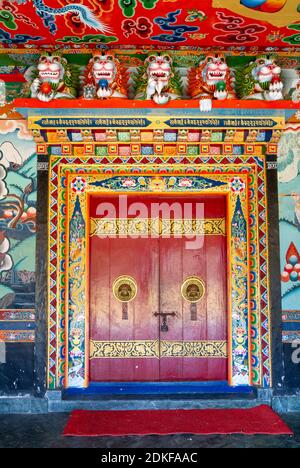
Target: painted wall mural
[(289, 198), (239, 24), (276, 12), (18, 195)]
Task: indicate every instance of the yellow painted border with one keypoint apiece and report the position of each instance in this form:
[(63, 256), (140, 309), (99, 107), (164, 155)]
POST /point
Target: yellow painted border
[(217, 191), (70, 166)]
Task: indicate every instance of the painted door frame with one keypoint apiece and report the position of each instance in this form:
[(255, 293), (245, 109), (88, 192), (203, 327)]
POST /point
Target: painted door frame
[(159, 346), (76, 309), (71, 179)]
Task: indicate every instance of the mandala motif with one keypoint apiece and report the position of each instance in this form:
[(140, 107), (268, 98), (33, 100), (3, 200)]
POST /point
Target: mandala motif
[(78, 185), (237, 185)]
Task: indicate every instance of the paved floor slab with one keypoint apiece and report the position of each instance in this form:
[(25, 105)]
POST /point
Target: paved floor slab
[(45, 431)]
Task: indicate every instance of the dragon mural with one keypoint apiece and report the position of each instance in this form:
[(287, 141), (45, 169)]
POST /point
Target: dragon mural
[(85, 15), (263, 24)]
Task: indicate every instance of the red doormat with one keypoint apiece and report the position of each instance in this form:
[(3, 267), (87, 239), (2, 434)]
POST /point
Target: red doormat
[(258, 420)]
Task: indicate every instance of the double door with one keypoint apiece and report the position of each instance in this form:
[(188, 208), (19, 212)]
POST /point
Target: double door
[(158, 303)]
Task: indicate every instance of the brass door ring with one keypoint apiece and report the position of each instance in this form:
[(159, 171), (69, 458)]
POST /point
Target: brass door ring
[(193, 289), (124, 288)]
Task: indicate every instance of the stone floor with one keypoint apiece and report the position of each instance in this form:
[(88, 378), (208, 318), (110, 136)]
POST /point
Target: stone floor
[(44, 431)]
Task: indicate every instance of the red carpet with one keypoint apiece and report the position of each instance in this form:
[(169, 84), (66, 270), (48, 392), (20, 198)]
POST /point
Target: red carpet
[(259, 420)]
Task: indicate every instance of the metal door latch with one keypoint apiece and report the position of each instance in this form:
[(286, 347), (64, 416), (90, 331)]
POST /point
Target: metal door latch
[(164, 324)]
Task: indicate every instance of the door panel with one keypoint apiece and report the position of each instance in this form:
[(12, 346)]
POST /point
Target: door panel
[(179, 261), (138, 259), (215, 250), (111, 258), (99, 302), (159, 267), (194, 263), (170, 266)]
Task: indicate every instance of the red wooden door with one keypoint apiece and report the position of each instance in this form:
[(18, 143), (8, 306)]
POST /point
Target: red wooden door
[(177, 263), (142, 346)]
